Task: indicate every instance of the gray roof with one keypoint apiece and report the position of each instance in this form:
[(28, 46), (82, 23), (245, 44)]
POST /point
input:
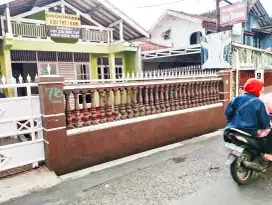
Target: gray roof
[(101, 11), (209, 14)]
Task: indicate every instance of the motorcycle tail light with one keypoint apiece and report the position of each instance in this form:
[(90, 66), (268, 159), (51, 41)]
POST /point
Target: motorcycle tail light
[(242, 139)]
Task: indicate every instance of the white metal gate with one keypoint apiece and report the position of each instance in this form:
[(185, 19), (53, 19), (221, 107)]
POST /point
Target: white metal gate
[(21, 136)]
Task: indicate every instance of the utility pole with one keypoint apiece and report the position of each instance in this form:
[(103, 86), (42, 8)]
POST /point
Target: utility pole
[(217, 16)]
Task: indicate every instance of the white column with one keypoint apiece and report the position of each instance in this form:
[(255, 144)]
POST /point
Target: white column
[(112, 65), (111, 36), (8, 20), (138, 59), (62, 7), (121, 30), (2, 26)]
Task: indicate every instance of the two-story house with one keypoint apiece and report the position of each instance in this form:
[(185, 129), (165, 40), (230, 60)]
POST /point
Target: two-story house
[(180, 32), (77, 39)]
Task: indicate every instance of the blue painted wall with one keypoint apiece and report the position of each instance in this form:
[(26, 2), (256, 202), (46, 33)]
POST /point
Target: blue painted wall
[(266, 40)]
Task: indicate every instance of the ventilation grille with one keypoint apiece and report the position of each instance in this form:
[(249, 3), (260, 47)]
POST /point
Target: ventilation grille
[(23, 56), (65, 57), (45, 56), (81, 57)]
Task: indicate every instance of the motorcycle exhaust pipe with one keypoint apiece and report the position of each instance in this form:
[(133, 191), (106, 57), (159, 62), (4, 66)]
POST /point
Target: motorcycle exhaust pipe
[(254, 166)]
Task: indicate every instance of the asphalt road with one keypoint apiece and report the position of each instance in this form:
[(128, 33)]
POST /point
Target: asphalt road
[(193, 174)]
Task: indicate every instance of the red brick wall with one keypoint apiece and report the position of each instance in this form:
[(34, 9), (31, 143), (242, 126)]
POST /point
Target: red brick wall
[(67, 153), (96, 147)]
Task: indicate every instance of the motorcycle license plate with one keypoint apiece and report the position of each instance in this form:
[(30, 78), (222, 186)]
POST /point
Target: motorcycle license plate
[(230, 159), (234, 147)]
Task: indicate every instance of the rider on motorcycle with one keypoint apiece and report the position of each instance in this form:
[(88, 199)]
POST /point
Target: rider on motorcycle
[(248, 113)]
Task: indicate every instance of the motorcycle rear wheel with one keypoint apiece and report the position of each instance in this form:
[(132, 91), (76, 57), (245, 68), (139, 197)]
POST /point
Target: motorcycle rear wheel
[(239, 173)]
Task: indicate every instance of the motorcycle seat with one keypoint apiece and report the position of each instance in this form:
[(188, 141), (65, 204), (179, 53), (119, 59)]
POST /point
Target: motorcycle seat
[(237, 131)]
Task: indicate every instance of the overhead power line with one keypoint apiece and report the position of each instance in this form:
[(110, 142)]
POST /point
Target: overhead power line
[(166, 3)]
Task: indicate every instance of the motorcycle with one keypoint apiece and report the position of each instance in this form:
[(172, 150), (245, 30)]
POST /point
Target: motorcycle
[(246, 155)]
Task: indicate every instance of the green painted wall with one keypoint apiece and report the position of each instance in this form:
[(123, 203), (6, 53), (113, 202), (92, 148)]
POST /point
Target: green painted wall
[(130, 58), (37, 16), (59, 47), (93, 62), (2, 65), (129, 61), (6, 70)]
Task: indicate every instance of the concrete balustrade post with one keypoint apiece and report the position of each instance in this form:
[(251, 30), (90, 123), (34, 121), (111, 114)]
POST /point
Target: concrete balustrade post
[(224, 88), (53, 121)]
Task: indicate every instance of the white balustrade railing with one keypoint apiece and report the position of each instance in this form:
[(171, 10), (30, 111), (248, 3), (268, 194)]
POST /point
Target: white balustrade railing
[(95, 34), (17, 82), (38, 30), (28, 30), (179, 68), (153, 76)]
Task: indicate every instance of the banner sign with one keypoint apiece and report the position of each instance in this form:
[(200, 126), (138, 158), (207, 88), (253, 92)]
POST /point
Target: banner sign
[(233, 14), (248, 59), (267, 61), (61, 25), (216, 50)]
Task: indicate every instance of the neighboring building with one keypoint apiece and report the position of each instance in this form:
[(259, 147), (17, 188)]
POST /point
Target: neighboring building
[(251, 42), (95, 45), (181, 32), (256, 32), (178, 29)]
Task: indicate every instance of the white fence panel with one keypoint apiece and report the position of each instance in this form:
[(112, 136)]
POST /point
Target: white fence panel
[(19, 107), (14, 110), (17, 155), (21, 132)]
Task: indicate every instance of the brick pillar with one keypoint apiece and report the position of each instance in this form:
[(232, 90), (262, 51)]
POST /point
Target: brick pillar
[(53, 119), (225, 87)]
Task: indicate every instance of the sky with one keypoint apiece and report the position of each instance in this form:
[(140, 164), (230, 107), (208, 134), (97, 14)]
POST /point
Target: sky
[(147, 16)]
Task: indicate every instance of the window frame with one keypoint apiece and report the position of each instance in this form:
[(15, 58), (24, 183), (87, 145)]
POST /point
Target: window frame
[(102, 69), (88, 74), (47, 63), (119, 66)]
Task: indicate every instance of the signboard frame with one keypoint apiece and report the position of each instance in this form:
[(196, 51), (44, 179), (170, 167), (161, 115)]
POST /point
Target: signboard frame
[(66, 26), (216, 51), (233, 14)]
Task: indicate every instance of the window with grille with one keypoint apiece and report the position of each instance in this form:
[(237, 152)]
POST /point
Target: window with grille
[(45, 69), (257, 41), (82, 72), (46, 56), (119, 68), (103, 68)]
